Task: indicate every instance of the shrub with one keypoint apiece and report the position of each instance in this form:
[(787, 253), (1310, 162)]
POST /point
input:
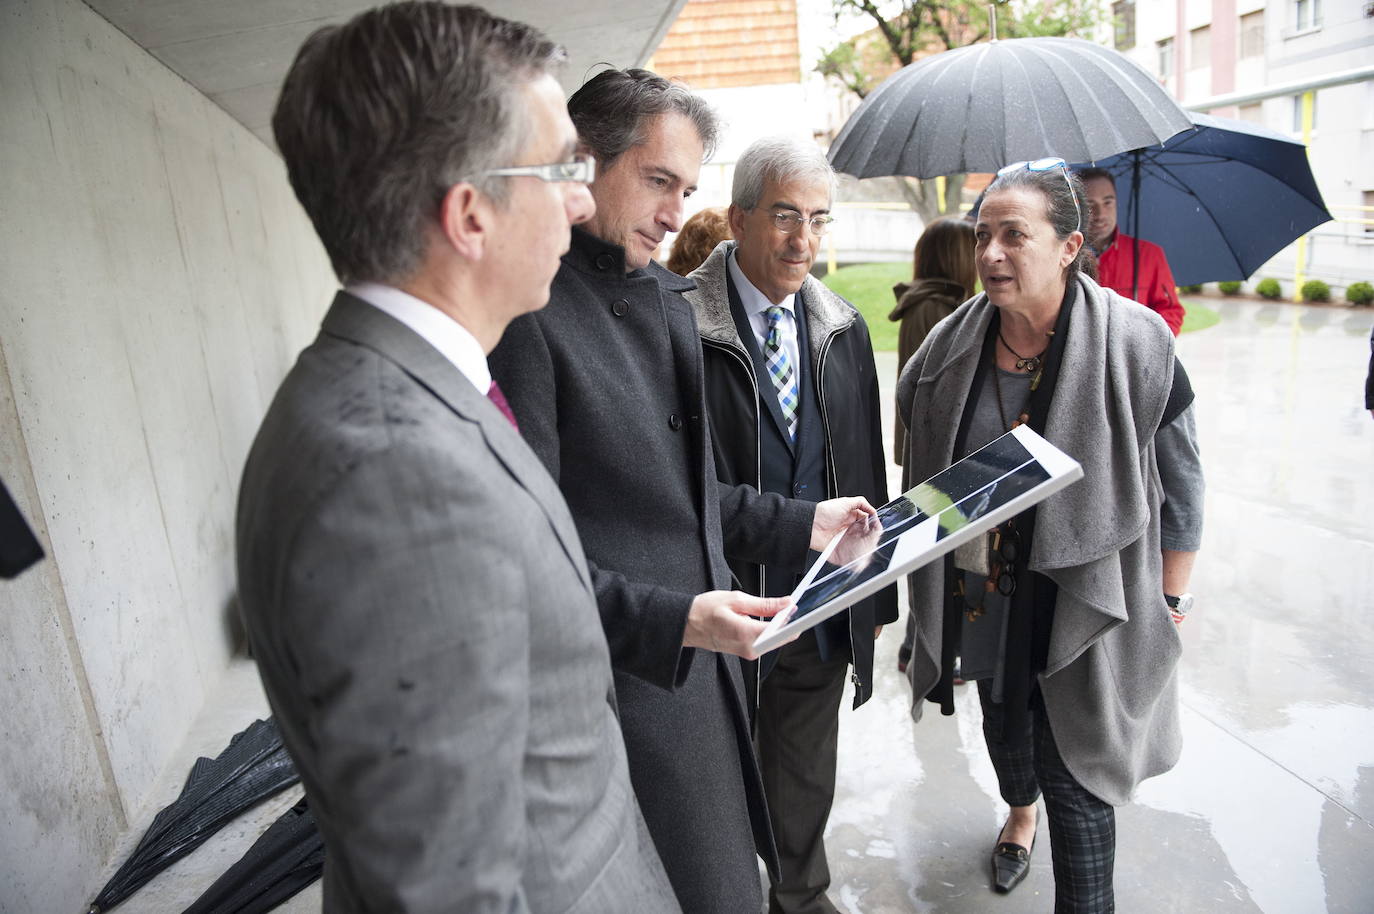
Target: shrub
[(1230, 287), (1359, 293), (1316, 290), (1268, 288), (1190, 290)]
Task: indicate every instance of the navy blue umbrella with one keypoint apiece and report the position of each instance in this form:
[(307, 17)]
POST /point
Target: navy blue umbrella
[(1220, 199)]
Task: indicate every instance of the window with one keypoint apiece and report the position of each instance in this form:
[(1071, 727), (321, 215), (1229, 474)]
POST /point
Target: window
[(1166, 57), (1253, 114), (1252, 34), (1123, 17), (1368, 214), (1297, 113), (1200, 48), (1307, 14)]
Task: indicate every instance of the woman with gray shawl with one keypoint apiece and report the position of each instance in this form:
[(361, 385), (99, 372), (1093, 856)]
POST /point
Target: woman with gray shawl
[(1067, 613)]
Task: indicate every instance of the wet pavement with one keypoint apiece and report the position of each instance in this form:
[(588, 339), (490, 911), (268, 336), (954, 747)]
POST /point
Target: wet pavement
[(1271, 807)]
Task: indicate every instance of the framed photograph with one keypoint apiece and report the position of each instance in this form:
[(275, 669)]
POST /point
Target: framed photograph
[(989, 486)]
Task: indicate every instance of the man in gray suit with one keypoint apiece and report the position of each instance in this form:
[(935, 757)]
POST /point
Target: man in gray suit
[(413, 586)]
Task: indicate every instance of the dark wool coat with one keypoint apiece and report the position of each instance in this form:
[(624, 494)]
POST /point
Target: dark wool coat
[(606, 383), (847, 391)]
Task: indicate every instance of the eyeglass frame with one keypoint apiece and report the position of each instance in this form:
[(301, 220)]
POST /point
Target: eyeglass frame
[(1047, 164), (785, 217), (584, 164)]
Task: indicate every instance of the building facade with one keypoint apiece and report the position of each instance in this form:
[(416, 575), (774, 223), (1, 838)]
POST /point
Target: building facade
[(1206, 50)]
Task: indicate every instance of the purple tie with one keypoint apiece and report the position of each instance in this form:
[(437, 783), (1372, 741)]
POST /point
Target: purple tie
[(494, 395)]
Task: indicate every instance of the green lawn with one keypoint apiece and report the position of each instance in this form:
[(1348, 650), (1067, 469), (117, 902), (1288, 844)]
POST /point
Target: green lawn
[(869, 287), (1198, 316)]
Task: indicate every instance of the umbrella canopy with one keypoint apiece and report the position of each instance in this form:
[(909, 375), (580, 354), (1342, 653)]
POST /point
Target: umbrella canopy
[(253, 767), (1220, 199), (977, 108), (287, 858)]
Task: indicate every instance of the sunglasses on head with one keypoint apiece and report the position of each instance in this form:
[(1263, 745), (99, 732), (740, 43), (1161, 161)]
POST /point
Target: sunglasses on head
[(1048, 164)]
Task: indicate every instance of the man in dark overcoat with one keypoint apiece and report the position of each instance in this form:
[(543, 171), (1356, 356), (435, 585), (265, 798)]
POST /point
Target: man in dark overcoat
[(792, 395), (607, 385)]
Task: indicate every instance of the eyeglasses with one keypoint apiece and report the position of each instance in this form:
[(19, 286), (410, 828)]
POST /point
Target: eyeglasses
[(1006, 543), (582, 168), (788, 222), (1048, 165)]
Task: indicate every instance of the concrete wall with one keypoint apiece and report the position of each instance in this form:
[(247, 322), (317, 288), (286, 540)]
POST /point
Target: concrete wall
[(156, 279)]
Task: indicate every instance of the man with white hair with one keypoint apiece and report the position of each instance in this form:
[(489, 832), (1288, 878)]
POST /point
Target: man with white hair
[(792, 397)]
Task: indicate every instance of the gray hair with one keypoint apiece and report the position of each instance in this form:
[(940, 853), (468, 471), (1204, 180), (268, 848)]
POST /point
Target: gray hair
[(782, 159), (1060, 208), (615, 108), (380, 116)]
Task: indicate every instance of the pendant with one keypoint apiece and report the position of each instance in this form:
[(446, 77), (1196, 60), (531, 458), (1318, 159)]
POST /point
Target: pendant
[(1030, 364)]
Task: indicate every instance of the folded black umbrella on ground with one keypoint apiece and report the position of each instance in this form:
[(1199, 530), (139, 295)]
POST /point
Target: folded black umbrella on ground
[(253, 767), (287, 858)]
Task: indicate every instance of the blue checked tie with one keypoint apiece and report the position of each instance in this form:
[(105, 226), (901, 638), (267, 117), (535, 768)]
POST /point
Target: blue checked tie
[(780, 369)]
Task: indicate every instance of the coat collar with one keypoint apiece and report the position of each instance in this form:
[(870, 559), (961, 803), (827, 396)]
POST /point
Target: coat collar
[(826, 312), (590, 255), (908, 294)]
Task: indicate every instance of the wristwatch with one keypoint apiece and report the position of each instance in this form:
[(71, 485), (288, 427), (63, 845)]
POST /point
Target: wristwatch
[(1179, 605)]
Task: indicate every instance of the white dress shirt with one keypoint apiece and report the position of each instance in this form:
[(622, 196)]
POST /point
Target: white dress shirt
[(756, 305), (442, 332)]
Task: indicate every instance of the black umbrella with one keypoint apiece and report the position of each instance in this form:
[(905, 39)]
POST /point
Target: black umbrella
[(978, 108), (287, 858), (253, 767), (1220, 199)]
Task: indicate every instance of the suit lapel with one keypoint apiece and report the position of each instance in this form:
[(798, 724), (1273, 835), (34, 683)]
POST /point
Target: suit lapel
[(352, 319)]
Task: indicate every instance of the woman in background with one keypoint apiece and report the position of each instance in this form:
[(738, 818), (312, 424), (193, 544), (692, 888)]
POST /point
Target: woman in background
[(697, 239), (943, 274)]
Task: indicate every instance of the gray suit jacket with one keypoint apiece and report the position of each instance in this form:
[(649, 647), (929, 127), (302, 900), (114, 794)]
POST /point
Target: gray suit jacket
[(419, 605)]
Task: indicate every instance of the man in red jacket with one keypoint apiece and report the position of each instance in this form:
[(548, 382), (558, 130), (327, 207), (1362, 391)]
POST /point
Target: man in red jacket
[(1117, 258)]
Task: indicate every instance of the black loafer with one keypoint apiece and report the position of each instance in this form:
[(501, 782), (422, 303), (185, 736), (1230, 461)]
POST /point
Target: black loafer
[(1010, 864)]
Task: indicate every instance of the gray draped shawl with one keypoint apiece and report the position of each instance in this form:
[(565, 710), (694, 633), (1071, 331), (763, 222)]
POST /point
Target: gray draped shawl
[(1109, 685)]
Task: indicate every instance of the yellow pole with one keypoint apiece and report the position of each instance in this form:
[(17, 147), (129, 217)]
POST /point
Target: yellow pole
[(940, 194), (830, 263), (1300, 259)]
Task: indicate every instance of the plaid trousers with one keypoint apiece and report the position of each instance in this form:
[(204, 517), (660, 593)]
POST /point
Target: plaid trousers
[(1082, 827)]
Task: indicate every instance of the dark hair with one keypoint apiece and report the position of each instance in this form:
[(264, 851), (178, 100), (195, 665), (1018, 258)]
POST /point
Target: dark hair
[(945, 251), (613, 110), (1060, 208), (698, 238), (379, 117), (1088, 174)]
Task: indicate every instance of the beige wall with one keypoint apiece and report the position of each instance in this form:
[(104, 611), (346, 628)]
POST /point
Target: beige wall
[(156, 279)]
